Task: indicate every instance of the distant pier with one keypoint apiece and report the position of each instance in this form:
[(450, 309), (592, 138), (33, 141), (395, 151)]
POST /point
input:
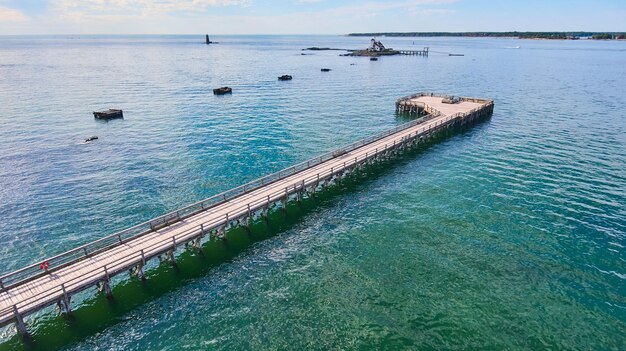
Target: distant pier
[(54, 280), (423, 52)]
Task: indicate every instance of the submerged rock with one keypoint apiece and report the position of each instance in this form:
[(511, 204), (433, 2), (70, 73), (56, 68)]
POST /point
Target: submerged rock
[(315, 48)]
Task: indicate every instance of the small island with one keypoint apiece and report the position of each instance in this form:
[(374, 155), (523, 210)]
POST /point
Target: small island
[(375, 49), (315, 48)]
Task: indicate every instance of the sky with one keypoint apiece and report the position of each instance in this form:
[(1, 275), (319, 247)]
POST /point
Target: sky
[(305, 16)]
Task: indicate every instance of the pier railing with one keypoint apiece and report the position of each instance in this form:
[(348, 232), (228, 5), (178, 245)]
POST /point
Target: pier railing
[(140, 256), (441, 95), (67, 258), (408, 101), (420, 94)]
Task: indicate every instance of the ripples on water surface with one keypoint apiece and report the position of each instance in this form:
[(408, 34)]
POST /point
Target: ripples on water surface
[(508, 235)]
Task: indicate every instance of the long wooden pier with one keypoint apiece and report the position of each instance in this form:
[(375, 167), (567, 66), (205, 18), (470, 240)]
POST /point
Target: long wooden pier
[(56, 279)]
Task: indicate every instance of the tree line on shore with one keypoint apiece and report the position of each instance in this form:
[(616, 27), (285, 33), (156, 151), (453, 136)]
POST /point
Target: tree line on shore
[(521, 35)]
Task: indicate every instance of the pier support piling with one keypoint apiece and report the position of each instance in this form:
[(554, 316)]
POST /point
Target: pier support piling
[(104, 286), (197, 243), (169, 256), (19, 323), (64, 302), (138, 271), (221, 233)]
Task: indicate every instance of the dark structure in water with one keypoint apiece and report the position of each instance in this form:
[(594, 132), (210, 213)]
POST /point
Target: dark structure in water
[(208, 41), (222, 91), (109, 114)]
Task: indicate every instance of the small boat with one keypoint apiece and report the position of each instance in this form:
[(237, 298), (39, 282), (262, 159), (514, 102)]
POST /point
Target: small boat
[(456, 55), (285, 77), (373, 58), (325, 69), (109, 114), (222, 91), (91, 138)]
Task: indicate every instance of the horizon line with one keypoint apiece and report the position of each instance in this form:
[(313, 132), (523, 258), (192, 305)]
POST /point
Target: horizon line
[(319, 34)]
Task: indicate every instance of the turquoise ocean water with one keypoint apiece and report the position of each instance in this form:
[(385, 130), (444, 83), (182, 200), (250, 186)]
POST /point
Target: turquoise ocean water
[(508, 235)]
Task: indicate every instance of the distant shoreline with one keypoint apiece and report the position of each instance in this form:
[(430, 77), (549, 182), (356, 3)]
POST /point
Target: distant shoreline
[(518, 35)]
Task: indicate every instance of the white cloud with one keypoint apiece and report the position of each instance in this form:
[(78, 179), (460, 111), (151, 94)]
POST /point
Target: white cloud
[(197, 16), (137, 7), (371, 9), (11, 15), (125, 12), (429, 12)]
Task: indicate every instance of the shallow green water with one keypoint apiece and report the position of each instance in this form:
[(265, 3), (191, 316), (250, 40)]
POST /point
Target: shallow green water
[(508, 235)]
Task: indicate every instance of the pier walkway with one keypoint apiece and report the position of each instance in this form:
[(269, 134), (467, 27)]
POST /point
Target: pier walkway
[(423, 52), (54, 280)]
